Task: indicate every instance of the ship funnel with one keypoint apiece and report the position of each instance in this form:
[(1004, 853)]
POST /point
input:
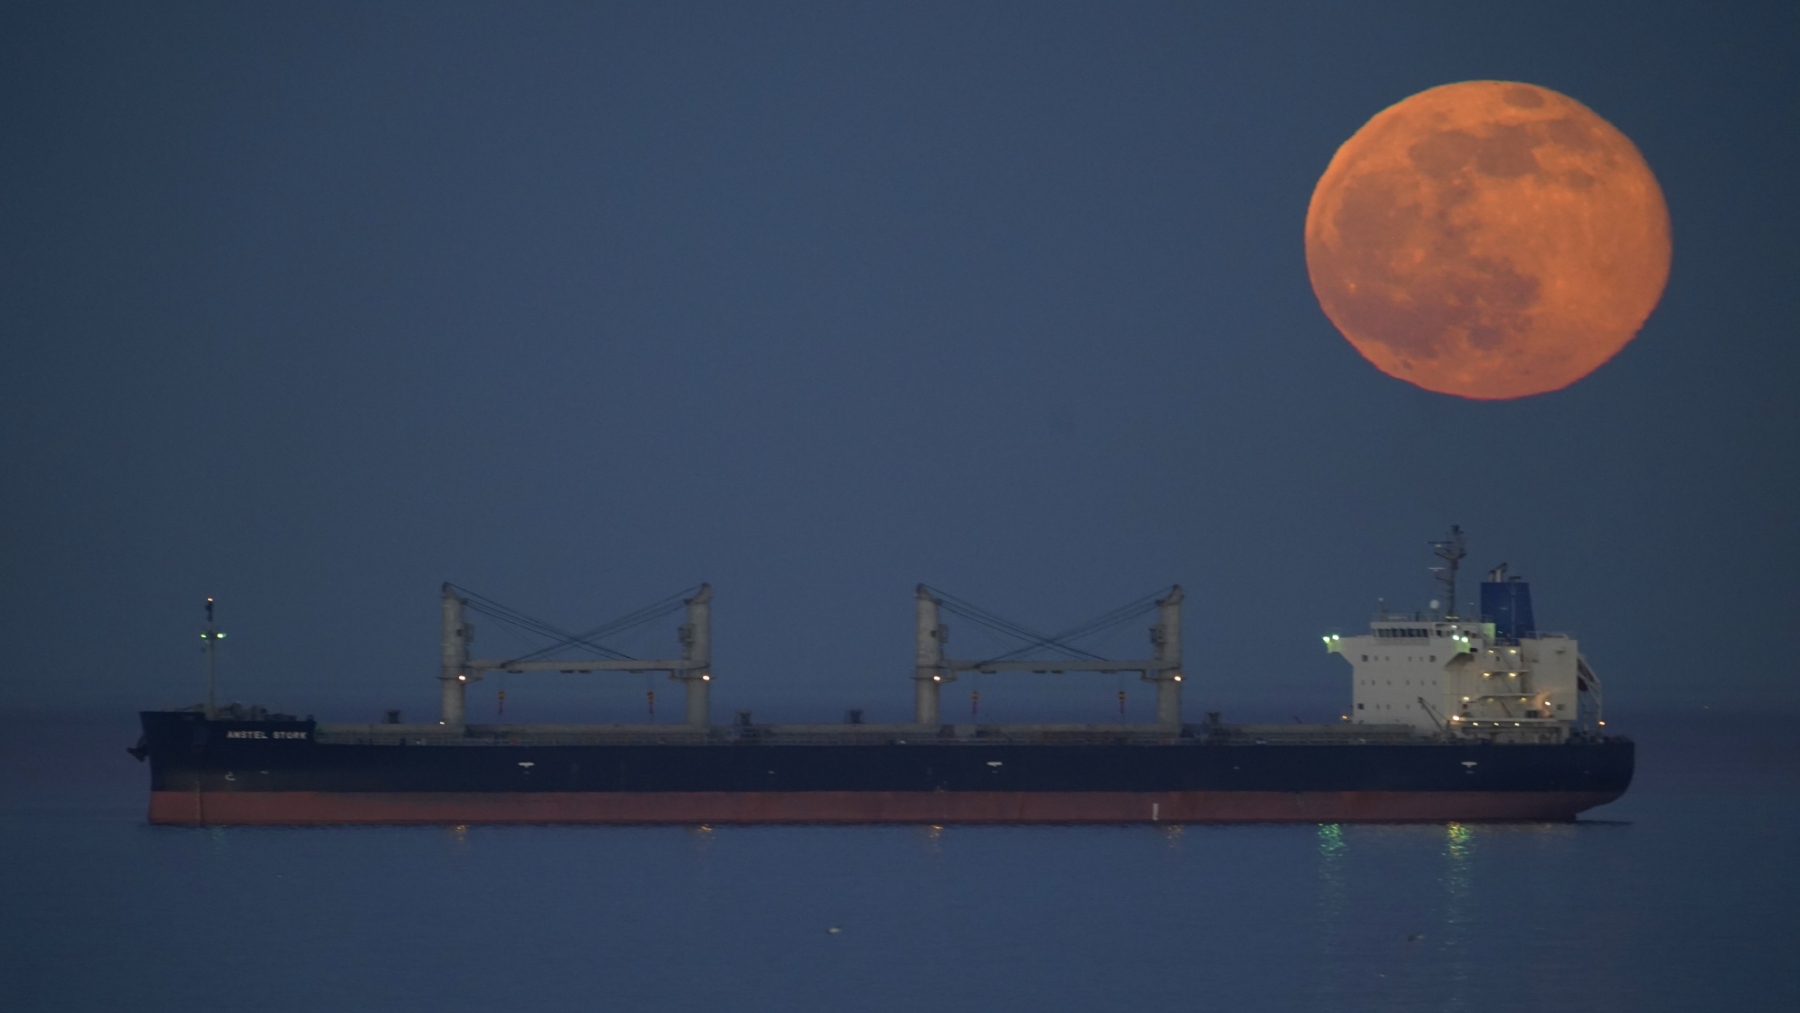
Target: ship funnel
[(1507, 604)]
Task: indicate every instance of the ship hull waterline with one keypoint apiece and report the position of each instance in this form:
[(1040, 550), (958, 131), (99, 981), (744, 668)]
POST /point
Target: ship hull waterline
[(307, 808), (289, 772)]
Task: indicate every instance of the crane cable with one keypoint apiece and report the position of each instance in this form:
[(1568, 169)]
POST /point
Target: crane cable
[(1104, 622), (563, 638)]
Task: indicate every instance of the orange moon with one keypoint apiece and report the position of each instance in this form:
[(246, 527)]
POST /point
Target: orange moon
[(1488, 239)]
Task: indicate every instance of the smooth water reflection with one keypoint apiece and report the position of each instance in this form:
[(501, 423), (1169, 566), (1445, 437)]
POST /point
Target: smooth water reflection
[(1391, 917)]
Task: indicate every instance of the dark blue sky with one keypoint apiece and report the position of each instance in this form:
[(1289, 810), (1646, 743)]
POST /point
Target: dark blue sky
[(312, 307)]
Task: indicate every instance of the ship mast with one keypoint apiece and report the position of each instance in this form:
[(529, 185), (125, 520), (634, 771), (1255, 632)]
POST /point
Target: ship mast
[(210, 638), (1451, 551)]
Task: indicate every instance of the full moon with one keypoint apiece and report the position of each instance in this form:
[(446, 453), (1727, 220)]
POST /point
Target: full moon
[(1488, 239)]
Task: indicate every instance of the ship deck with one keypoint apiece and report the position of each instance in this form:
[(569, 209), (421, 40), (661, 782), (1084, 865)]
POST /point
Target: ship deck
[(868, 735)]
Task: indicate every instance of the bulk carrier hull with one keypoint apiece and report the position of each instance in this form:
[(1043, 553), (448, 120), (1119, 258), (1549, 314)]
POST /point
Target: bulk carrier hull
[(276, 772)]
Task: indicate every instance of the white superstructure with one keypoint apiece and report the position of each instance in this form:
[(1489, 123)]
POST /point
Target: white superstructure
[(1471, 678)]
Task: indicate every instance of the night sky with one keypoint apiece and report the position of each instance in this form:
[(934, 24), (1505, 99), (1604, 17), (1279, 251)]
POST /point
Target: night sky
[(313, 307)]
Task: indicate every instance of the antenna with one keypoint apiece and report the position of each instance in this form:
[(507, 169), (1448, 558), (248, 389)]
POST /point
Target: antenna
[(210, 637), (1451, 551)]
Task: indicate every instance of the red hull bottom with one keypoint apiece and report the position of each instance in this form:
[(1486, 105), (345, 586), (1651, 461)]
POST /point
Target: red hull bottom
[(294, 808)]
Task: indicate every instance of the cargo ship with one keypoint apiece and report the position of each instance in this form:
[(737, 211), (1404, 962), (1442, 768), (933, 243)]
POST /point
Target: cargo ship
[(1452, 718)]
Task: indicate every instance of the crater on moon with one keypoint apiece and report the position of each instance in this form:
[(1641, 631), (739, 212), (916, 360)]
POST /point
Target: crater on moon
[(1488, 239)]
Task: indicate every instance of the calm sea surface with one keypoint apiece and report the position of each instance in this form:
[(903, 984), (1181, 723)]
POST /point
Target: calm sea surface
[(1685, 895)]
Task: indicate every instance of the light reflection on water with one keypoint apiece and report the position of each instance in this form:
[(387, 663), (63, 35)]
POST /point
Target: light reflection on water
[(1333, 905), (1454, 915), (933, 836), (1415, 910)]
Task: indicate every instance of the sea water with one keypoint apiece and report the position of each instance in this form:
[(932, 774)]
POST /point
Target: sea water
[(1681, 896)]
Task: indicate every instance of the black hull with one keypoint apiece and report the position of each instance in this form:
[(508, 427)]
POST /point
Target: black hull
[(275, 772)]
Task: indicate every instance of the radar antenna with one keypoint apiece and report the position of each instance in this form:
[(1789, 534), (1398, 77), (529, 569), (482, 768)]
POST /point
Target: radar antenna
[(1451, 551)]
